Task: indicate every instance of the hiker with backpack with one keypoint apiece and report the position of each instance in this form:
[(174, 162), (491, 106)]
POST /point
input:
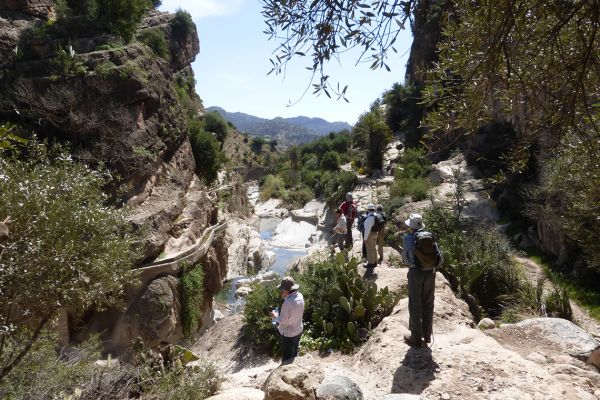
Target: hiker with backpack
[(381, 233), (348, 207), (373, 225), (421, 253)]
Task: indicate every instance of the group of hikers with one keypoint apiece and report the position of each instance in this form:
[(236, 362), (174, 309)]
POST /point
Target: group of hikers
[(371, 225), (420, 253)]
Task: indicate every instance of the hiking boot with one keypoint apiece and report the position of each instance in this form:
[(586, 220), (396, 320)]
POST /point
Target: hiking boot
[(380, 260), (413, 341)]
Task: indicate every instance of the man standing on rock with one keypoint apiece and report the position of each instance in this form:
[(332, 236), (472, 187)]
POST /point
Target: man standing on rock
[(289, 320), (370, 238), (421, 280), (349, 209)]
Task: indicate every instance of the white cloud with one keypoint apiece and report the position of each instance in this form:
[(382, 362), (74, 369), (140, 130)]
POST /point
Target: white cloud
[(204, 8)]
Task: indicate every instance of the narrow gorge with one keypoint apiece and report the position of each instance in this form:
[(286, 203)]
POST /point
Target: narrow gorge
[(143, 235)]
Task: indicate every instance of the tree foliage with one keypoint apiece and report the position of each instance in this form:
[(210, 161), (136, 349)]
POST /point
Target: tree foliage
[(67, 249), (207, 152), (215, 123), (372, 126), (321, 29)]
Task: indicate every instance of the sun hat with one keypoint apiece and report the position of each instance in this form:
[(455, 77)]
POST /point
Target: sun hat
[(415, 221), (371, 206), (287, 283), (349, 196)]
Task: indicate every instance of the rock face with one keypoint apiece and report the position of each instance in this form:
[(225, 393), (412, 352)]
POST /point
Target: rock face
[(155, 316), (126, 108), (295, 381)]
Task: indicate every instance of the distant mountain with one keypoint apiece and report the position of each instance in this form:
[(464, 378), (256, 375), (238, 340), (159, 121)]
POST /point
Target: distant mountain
[(285, 130)]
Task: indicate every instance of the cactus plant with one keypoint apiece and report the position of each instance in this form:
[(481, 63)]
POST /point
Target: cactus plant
[(345, 304)]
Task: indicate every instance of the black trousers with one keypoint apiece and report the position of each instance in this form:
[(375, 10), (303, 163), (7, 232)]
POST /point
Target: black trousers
[(421, 296), (289, 346)]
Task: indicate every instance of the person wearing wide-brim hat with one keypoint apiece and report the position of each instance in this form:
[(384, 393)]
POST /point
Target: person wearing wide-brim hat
[(289, 320), (421, 286)]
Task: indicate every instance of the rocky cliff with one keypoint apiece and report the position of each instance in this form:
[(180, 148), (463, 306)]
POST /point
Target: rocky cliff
[(126, 108)]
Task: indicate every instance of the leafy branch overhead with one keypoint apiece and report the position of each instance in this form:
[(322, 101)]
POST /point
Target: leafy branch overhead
[(324, 29)]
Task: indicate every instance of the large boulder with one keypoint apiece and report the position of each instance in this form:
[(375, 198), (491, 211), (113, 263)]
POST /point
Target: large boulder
[(154, 316), (297, 380), (338, 387)]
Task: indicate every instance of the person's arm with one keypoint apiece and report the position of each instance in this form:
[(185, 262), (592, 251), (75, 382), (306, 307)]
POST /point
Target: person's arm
[(368, 225), (440, 256), (407, 249), (285, 316)]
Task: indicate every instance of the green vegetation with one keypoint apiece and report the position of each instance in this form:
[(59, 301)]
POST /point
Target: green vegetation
[(373, 127), (155, 39), (182, 25), (192, 295), (121, 17), (215, 123), (310, 170), (66, 63), (340, 307), (61, 230), (46, 374), (207, 152), (410, 177)]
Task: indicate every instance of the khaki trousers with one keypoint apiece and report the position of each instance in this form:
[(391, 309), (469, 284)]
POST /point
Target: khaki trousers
[(380, 242), (372, 248)]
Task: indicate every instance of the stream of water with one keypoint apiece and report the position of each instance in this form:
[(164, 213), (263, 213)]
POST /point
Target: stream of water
[(287, 252)]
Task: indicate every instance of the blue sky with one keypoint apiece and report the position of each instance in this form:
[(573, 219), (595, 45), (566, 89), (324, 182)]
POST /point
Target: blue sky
[(234, 60)]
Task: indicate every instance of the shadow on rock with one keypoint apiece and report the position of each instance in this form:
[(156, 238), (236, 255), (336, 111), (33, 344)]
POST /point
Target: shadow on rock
[(416, 371), (245, 355)]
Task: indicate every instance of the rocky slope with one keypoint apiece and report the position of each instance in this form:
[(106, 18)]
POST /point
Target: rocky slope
[(120, 105)]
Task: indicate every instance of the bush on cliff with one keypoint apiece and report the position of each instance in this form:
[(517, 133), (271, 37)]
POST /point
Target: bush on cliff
[(207, 152), (117, 16), (68, 250)]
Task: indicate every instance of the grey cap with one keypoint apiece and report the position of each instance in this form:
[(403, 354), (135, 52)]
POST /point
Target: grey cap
[(287, 283)]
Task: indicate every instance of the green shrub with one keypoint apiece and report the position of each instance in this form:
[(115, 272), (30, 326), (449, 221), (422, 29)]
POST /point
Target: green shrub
[(192, 287), (155, 39), (272, 186), (330, 161), (215, 123), (46, 374), (182, 25), (298, 196), (66, 244), (335, 185), (258, 329), (340, 307), (105, 68), (533, 300), (207, 152), (416, 188), (67, 63)]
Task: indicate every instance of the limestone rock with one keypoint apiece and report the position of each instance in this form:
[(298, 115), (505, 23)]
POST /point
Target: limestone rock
[(338, 387), (297, 380), (486, 323), (155, 316), (37, 8), (401, 396), (243, 291), (239, 394)]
